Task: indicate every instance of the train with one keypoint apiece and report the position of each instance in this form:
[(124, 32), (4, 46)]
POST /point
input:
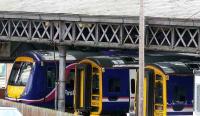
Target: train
[(34, 75), (105, 85), (168, 88), (110, 80), (196, 89)]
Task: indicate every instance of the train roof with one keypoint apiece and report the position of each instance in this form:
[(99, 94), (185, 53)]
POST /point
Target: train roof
[(174, 67), (42, 55), (111, 61), (171, 56)]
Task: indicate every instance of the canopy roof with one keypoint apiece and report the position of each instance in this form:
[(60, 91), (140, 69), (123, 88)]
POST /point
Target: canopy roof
[(153, 8)]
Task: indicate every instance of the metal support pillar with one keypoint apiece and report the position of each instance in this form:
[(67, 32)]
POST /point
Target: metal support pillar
[(141, 60), (61, 80)]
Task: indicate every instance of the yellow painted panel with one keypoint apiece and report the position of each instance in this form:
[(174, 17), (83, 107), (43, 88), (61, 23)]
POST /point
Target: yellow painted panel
[(163, 81), (15, 91), (81, 88), (24, 59), (98, 102)]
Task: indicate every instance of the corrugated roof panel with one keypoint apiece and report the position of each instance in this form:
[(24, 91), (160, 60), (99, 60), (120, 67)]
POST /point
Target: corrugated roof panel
[(153, 8)]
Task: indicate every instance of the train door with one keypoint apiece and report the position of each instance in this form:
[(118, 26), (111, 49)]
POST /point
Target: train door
[(88, 89), (132, 88), (149, 92), (196, 111), (155, 93)]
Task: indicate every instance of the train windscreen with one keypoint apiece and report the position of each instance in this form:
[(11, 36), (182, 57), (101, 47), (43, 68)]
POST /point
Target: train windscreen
[(20, 73)]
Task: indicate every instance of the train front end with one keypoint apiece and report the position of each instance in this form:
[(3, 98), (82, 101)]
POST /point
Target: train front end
[(20, 74)]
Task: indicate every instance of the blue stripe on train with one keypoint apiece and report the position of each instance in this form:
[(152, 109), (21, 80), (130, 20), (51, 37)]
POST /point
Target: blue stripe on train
[(120, 107), (179, 113)]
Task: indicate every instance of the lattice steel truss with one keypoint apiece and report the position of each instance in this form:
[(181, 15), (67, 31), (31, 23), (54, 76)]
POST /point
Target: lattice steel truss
[(99, 34)]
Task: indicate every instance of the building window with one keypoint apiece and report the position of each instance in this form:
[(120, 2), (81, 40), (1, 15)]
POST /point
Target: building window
[(114, 85)]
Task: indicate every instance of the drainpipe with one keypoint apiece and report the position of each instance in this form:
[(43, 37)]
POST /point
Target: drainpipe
[(61, 80)]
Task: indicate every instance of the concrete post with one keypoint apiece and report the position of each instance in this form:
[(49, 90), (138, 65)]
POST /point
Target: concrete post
[(61, 80), (141, 59)]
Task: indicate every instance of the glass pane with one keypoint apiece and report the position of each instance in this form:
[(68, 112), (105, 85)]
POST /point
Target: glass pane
[(132, 86), (158, 93), (20, 73), (95, 84), (25, 72), (51, 77), (70, 84), (114, 85), (179, 94)]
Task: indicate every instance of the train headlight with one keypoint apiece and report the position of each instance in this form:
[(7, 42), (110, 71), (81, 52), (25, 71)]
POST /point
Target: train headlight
[(158, 107)]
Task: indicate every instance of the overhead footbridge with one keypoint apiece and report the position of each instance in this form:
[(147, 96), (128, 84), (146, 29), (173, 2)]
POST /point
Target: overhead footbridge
[(100, 31), (170, 25)]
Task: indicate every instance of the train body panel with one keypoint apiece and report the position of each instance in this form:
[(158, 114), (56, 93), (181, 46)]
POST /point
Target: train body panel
[(115, 93), (180, 95), (34, 75), (169, 86), (102, 86)]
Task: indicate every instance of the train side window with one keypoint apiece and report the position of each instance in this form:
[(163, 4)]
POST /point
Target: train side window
[(158, 93), (179, 98), (95, 84), (132, 86), (51, 77), (70, 84), (114, 85), (179, 95)]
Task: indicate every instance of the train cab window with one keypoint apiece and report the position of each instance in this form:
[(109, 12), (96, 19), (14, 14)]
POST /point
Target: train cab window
[(114, 85), (51, 77), (95, 84), (132, 86), (25, 72), (20, 73), (158, 93)]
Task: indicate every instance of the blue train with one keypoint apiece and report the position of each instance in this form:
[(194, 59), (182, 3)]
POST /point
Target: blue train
[(109, 81), (105, 85), (168, 89), (34, 74)]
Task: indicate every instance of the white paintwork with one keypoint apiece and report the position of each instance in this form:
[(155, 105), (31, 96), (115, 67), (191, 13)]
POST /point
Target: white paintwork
[(132, 75), (196, 83)]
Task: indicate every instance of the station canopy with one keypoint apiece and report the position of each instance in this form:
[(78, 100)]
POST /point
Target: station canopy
[(153, 8)]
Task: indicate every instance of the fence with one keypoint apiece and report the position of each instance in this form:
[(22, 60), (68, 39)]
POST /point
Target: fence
[(28, 110)]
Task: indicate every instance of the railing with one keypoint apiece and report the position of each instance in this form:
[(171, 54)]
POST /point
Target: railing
[(28, 110)]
